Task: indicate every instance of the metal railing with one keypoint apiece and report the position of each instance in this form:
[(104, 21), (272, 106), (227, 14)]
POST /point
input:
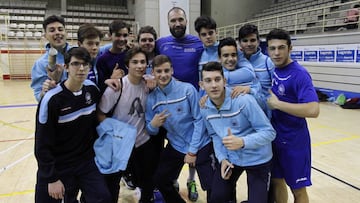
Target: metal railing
[(314, 19)]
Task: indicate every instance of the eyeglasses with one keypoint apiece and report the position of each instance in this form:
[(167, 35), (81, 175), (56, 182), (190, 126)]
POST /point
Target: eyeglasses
[(121, 35), (146, 39), (77, 64), (204, 34)]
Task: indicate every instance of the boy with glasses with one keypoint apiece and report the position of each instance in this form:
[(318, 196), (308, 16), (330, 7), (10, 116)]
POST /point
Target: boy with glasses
[(64, 137)]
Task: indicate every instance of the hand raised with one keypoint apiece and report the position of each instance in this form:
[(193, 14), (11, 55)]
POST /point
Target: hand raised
[(232, 142)]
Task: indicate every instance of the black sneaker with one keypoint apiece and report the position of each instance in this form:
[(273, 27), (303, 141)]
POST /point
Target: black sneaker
[(192, 192), (126, 180)]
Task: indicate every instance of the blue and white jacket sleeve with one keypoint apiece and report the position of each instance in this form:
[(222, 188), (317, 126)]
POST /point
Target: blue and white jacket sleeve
[(199, 128), (263, 133), (38, 77), (149, 115)]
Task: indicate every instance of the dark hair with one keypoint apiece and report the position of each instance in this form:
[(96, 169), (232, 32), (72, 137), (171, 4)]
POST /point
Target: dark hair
[(159, 60), (248, 29), (79, 53), (52, 19), (132, 52), (204, 22), (279, 34), (356, 6), (117, 25), (88, 31), (147, 29), (178, 9), (228, 41), (212, 66)]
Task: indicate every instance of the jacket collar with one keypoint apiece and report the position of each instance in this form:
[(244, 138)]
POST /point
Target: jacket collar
[(254, 56), (225, 106), (168, 88), (213, 47)]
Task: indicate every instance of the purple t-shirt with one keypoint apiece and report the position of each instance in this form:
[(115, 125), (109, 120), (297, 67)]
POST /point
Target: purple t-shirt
[(184, 54), (292, 84), (105, 66)]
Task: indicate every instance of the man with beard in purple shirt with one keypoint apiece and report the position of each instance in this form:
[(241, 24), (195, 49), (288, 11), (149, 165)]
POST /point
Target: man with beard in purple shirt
[(184, 51)]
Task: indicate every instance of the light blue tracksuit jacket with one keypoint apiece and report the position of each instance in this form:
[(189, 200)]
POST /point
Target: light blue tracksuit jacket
[(246, 120), (185, 126), (114, 145), (264, 70), (38, 71)]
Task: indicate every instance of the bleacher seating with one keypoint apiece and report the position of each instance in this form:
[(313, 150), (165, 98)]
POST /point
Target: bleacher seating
[(38, 34), (25, 17), (20, 34), (20, 17), (29, 34), (298, 17), (97, 14)]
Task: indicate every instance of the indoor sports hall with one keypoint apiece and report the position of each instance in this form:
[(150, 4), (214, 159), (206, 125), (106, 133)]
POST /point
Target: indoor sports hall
[(323, 43)]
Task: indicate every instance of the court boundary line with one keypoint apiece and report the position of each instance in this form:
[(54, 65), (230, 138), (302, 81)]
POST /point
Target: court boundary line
[(334, 177), (31, 137), (3, 169)]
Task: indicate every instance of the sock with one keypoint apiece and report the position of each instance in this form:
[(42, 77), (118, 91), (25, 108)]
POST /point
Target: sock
[(191, 173)]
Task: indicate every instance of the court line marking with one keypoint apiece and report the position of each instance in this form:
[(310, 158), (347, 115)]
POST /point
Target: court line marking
[(335, 141), (24, 192), (336, 178), (17, 106), (351, 136), (16, 127), (17, 144), (15, 162), (185, 165), (314, 125)]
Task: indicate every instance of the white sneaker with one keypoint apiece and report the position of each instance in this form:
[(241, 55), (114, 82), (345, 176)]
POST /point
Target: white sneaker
[(137, 193), (128, 183)]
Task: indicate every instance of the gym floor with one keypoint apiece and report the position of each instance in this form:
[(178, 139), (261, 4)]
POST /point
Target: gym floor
[(335, 138)]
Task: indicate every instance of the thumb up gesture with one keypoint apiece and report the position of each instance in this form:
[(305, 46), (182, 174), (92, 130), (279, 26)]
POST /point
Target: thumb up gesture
[(232, 142)]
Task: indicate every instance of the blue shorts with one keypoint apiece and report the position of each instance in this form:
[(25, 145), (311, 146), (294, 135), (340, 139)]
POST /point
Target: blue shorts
[(294, 165)]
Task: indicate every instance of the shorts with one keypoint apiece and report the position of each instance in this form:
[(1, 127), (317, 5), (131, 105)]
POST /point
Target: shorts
[(294, 165)]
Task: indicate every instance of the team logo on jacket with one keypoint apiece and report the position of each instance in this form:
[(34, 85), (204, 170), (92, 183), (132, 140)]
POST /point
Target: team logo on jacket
[(234, 123), (179, 109), (88, 99), (281, 89)]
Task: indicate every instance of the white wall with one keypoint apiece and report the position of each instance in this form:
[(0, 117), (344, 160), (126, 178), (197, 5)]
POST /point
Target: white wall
[(228, 12), (342, 76), (147, 13)]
